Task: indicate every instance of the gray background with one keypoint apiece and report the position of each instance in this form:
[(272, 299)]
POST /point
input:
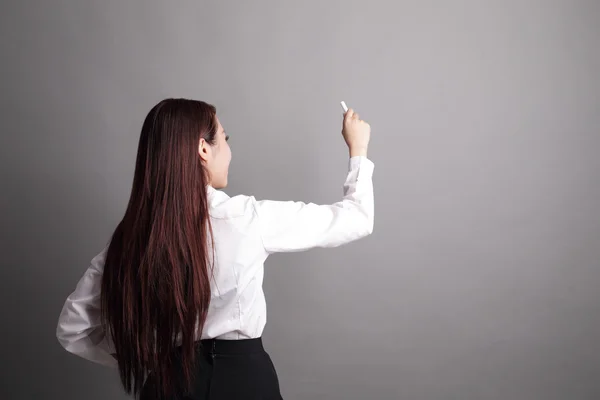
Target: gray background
[(481, 278)]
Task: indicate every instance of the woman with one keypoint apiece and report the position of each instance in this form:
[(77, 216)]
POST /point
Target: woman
[(175, 301)]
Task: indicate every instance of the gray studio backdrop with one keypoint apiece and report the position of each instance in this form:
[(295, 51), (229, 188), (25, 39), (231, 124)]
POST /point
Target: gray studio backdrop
[(481, 278)]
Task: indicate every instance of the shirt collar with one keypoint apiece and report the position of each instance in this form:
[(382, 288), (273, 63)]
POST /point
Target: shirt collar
[(215, 196)]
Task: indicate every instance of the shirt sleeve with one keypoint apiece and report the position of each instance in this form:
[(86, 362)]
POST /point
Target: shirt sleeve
[(79, 328), (288, 226)]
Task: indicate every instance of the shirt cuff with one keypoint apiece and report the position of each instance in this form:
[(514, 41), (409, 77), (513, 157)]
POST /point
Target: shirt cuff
[(364, 166)]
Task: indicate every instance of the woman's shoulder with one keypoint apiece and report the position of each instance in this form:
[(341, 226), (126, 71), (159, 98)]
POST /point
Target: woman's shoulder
[(224, 206)]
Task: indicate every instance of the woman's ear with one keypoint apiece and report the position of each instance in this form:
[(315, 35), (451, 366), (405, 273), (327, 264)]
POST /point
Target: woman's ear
[(203, 150)]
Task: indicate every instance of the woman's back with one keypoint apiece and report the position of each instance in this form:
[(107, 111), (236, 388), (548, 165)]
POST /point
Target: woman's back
[(241, 232), (246, 231)]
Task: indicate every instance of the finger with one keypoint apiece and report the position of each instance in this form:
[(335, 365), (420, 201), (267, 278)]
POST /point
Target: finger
[(349, 114)]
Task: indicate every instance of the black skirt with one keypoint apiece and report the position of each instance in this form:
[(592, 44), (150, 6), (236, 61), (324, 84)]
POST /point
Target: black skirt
[(228, 370)]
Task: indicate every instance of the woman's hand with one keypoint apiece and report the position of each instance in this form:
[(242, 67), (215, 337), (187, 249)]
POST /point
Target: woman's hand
[(357, 134)]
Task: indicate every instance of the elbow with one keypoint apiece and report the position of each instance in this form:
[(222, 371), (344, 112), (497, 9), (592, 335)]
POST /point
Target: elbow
[(369, 226), (62, 337), (67, 333), (369, 222), (366, 224), (364, 221)]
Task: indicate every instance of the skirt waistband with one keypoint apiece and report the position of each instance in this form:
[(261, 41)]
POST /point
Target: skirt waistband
[(242, 346)]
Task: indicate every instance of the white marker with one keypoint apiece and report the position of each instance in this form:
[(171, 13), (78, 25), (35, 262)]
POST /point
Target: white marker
[(344, 106)]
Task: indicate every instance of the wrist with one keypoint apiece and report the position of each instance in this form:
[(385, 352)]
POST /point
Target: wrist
[(358, 151)]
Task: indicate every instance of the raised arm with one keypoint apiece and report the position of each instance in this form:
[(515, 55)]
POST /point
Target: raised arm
[(287, 226), (296, 226)]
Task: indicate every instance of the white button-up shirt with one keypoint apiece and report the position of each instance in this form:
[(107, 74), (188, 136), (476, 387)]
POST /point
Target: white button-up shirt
[(245, 232)]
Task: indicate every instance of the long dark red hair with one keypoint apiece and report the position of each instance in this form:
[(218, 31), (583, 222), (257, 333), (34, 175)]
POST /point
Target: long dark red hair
[(155, 287)]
